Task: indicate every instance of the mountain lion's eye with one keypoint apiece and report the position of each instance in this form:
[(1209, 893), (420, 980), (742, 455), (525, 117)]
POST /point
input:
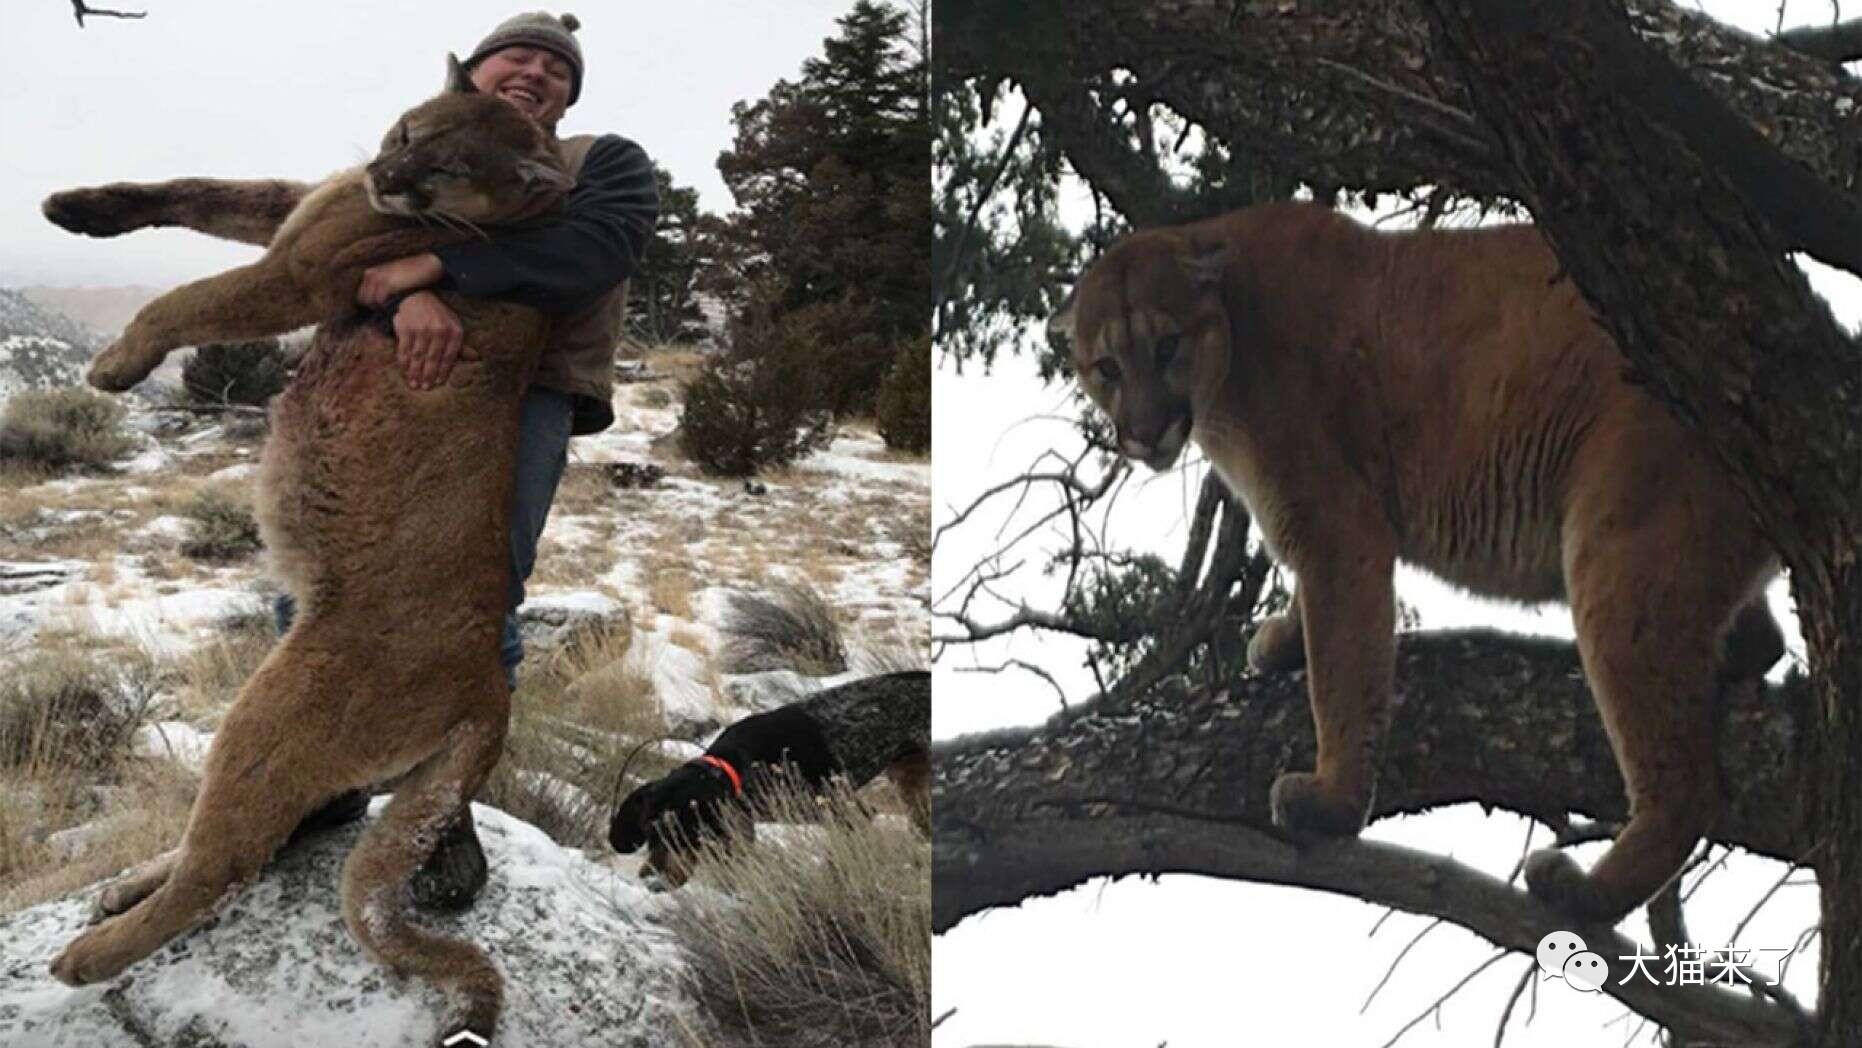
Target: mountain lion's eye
[(1108, 369), (1167, 349)]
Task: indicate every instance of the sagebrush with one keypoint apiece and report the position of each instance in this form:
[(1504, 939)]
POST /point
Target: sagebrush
[(249, 373), (62, 430), (790, 628), (816, 934), (220, 528)]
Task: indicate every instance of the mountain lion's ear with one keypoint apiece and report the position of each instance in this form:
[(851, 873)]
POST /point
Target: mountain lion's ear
[(535, 173), (1061, 323), (1203, 264), (458, 81)]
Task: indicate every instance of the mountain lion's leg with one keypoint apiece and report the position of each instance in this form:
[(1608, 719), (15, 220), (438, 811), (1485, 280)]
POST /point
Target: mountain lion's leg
[(137, 885), (1648, 611), (1348, 612), (1279, 646), (260, 779), (245, 303), (246, 211), (375, 878)]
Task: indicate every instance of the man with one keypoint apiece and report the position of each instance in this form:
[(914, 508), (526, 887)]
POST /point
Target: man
[(575, 268)]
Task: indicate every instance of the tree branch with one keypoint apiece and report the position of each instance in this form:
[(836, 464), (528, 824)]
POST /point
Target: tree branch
[(80, 9), (1063, 853), (1841, 42), (1128, 785)]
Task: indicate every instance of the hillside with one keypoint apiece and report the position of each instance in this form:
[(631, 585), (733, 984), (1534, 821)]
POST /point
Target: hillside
[(39, 348), (104, 310)]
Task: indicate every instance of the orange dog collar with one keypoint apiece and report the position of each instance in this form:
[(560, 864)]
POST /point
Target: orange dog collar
[(737, 781)]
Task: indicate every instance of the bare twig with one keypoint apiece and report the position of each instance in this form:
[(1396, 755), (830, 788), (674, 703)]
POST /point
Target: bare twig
[(80, 9), (1436, 1007), (1525, 977)]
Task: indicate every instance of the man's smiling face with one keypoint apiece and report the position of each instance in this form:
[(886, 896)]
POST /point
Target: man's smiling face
[(534, 80)]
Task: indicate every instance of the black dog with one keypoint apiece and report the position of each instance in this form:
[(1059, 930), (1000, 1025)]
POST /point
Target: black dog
[(854, 731)]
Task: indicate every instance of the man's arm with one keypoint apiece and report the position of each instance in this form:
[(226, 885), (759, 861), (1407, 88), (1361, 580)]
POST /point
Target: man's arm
[(597, 244), (557, 267)]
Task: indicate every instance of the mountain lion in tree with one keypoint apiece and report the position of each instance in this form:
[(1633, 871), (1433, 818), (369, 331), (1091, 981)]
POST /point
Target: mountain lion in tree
[(1446, 399), (380, 503)]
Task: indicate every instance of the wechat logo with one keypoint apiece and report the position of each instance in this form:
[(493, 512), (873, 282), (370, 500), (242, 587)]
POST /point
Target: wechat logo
[(1562, 955)]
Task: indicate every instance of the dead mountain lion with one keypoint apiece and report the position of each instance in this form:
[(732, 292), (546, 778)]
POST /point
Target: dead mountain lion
[(385, 509), (1443, 399)]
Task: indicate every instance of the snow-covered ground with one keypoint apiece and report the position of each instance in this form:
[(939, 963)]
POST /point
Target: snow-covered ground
[(584, 958)]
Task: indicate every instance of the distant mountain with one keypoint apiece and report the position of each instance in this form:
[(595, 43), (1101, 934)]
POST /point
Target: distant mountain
[(39, 348), (104, 310)]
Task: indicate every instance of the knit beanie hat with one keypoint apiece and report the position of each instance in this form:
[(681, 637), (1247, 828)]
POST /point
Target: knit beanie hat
[(537, 29)]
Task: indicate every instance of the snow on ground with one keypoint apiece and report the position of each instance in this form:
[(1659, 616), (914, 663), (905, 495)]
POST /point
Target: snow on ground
[(177, 741), (585, 957)]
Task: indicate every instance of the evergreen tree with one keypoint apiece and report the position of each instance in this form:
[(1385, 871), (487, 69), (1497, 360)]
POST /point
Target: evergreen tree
[(662, 301), (831, 176)]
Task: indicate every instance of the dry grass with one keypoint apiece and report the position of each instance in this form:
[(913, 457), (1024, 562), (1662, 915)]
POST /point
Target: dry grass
[(69, 714), (822, 938), (573, 723), (681, 363), (792, 628), (585, 490), (66, 708), (144, 817), (671, 592), (212, 673)]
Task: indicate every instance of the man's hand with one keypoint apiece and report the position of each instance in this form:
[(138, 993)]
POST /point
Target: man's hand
[(383, 282), (428, 339)]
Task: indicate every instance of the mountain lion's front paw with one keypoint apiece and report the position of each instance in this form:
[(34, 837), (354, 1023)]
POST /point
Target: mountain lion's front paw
[(1302, 802), (100, 211), (120, 367)]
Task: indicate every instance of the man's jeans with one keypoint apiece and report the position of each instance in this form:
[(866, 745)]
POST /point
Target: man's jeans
[(542, 453)]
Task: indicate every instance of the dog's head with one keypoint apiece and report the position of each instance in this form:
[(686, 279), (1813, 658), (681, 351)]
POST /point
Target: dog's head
[(670, 816)]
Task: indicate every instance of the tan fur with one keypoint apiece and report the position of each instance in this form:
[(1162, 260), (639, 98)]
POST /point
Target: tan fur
[(1443, 398), (386, 510)]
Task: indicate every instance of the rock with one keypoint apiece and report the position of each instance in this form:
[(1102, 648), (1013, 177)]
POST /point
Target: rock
[(631, 475), (26, 576), (548, 622), (585, 960)]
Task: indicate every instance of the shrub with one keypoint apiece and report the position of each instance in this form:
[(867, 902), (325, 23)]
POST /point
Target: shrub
[(791, 629), (64, 710), (219, 528), (904, 405), (824, 940), (61, 430), (234, 373), (746, 415)]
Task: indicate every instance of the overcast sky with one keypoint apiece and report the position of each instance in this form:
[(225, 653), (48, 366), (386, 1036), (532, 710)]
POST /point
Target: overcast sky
[(300, 89)]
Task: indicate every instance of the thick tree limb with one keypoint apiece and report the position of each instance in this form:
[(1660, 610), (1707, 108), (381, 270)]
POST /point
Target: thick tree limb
[(1841, 42), (1126, 786), (1059, 854), (1344, 92)]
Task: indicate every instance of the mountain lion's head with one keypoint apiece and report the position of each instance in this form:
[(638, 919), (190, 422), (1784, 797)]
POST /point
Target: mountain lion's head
[(466, 156), (1150, 339)]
